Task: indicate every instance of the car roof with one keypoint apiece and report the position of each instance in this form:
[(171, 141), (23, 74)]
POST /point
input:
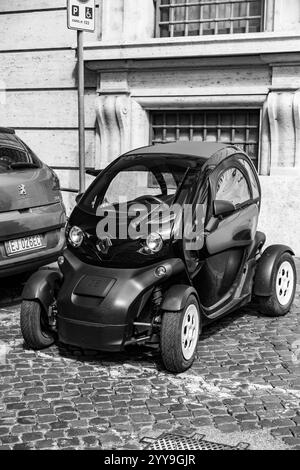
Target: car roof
[(8, 138), (7, 130), (203, 150)]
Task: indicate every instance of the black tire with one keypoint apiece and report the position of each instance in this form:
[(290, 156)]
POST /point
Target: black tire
[(34, 326), (275, 305), (171, 338)]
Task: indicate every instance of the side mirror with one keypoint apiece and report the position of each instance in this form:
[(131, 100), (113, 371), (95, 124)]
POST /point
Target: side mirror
[(223, 208), (78, 197), (92, 172)]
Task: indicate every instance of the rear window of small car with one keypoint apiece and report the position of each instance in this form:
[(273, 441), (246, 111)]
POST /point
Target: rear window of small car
[(10, 156), (253, 180)]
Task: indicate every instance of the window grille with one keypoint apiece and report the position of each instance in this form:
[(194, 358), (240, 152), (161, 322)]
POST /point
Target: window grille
[(237, 127), (208, 17)]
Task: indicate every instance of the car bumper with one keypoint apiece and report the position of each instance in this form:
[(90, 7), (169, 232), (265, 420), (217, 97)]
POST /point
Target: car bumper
[(46, 221), (35, 259), (98, 306), (86, 335)]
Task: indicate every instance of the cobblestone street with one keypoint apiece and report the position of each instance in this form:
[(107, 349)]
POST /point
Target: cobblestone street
[(243, 387)]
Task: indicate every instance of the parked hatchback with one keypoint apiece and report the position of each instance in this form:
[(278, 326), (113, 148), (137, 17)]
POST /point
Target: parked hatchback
[(32, 214)]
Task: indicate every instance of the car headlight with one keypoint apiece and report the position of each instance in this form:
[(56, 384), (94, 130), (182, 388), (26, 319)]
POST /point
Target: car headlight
[(154, 242), (76, 236)]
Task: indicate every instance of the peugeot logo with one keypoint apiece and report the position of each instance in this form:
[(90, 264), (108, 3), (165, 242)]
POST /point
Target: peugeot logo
[(22, 190), (104, 245)]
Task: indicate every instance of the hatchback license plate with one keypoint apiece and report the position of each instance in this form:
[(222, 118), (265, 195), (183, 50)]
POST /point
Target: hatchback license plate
[(14, 247)]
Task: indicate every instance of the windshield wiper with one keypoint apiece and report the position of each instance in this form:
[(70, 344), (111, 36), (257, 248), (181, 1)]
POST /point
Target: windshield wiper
[(15, 166)]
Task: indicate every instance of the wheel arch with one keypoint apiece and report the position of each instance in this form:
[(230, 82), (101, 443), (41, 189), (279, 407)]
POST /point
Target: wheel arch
[(40, 286), (263, 278), (177, 296)]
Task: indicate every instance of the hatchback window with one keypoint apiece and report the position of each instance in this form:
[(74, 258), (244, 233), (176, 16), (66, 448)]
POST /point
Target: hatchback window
[(10, 156), (232, 186)]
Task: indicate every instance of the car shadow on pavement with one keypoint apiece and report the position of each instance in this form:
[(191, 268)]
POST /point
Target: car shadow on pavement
[(11, 289), (149, 356), (218, 326), (133, 354)]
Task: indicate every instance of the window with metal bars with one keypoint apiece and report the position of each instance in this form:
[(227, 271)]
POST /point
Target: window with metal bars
[(208, 17), (238, 127)]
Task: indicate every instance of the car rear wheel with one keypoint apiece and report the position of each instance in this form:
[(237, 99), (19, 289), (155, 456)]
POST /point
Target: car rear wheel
[(34, 326), (284, 280), (179, 337)]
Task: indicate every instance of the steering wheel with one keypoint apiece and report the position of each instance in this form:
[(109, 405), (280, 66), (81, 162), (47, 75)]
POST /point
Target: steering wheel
[(155, 198)]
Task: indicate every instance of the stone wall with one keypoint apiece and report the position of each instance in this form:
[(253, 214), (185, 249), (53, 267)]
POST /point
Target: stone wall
[(38, 69), (129, 72), (138, 73)]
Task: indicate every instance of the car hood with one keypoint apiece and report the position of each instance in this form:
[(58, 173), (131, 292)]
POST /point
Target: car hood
[(120, 252), (25, 189), (157, 217)]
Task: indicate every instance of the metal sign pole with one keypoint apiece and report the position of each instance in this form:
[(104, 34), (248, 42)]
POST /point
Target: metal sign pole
[(81, 17), (81, 112)]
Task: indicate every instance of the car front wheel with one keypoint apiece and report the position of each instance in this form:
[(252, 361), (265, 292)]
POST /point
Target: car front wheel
[(284, 280), (179, 336), (34, 326)]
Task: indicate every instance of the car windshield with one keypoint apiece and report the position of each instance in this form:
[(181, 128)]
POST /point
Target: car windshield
[(13, 158), (153, 178)]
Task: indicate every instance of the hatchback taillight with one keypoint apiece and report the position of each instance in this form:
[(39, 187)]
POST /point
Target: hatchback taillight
[(55, 180)]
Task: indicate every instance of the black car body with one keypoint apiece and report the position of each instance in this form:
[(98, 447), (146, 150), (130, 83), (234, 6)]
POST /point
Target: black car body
[(201, 263)]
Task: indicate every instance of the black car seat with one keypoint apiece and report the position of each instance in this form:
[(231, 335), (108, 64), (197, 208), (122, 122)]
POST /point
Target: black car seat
[(258, 243)]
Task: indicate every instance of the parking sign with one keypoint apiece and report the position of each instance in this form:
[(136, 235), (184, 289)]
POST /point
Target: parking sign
[(81, 15)]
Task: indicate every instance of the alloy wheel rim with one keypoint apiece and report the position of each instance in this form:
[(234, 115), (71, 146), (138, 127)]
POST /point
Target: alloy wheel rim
[(285, 283), (190, 332)]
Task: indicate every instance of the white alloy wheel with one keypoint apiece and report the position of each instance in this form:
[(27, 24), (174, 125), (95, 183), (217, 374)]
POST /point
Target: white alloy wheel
[(285, 283), (190, 331)]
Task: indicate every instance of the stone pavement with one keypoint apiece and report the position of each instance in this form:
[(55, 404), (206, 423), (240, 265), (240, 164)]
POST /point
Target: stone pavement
[(244, 386)]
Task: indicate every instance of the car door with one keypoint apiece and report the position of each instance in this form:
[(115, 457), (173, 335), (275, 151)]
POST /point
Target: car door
[(228, 237), (193, 202)]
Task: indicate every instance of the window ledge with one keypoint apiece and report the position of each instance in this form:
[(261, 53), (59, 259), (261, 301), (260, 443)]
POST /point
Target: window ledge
[(212, 46)]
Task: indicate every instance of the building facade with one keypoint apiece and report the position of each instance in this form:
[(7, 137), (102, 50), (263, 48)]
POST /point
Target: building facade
[(157, 71)]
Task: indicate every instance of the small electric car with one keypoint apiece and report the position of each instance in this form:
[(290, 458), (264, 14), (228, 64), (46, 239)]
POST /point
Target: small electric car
[(32, 214), (163, 242)]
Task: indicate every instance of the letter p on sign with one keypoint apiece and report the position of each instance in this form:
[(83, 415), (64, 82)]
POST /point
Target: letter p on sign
[(75, 10)]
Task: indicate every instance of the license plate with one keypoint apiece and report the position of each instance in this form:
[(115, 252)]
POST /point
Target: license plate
[(21, 245)]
